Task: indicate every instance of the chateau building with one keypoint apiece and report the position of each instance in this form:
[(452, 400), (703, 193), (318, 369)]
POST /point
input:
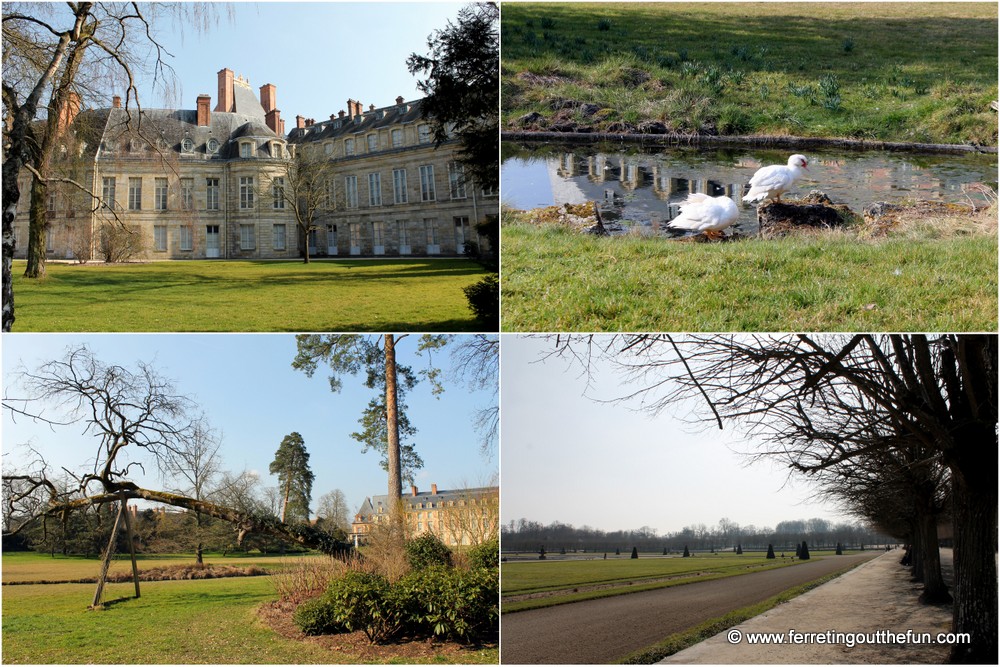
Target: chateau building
[(456, 517), (210, 182)]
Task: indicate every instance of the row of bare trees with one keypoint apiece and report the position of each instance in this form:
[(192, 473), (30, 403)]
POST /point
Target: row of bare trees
[(899, 428)]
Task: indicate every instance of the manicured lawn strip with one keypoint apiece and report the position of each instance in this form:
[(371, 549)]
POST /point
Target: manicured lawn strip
[(682, 640), (805, 69), (556, 279), (174, 622), (31, 566), (370, 295), (707, 573)]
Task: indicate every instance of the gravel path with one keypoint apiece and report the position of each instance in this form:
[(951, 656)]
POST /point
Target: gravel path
[(876, 596), (601, 631)]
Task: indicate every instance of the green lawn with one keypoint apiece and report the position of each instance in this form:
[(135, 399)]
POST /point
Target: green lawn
[(174, 622), (917, 72), (616, 576), (556, 279), (338, 295)]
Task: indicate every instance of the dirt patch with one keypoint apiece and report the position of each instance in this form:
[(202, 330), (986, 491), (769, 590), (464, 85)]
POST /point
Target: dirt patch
[(278, 617)]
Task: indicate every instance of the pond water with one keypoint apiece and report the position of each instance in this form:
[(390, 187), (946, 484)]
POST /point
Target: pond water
[(646, 187)]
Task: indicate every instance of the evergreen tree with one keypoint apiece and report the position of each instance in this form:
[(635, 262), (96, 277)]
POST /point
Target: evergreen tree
[(739, 549), (635, 552), (687, 554), (770, 551), (295, 479), (541, 553), (804, 551), (840, 549), (798, 549)]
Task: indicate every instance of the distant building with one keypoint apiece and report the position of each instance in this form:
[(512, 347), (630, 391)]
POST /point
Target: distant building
[(457, 517), (204, 183)]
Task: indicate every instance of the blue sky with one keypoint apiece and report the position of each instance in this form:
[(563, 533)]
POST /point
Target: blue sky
[(246, 385), (567, 457), (318, 54)]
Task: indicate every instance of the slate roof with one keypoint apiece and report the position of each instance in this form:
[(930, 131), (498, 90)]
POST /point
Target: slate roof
[(371, 504), (397, 114)]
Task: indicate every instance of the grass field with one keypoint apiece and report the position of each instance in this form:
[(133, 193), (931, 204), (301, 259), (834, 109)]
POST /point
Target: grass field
[(556, 279), (574, 580), (174, 622), (375, 295), (916, 72)]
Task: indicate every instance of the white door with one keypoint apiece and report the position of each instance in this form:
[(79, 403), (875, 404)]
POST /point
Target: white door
[(331, 240), (312, 242), (212, 241)]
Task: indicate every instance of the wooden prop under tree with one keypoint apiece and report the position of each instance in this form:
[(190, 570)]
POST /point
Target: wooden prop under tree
[(109, 553)]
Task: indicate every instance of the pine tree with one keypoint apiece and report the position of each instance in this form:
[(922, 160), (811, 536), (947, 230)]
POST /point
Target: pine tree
[(770, 551), (295, 479)]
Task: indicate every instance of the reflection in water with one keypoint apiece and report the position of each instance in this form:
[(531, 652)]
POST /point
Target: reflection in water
[(647, 189)]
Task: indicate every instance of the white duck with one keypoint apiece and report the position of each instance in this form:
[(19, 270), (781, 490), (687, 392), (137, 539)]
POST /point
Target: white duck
[(771, 182), (701, 213)]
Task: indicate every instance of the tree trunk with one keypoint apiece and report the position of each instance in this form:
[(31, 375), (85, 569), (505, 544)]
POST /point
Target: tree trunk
[(392, 428), (974, 500), (935, 590), (11, 195), (38, 228)]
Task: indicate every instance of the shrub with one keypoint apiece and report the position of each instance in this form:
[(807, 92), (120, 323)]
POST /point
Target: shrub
[(635, 552), (362, 601), (804, 551), (840, 549), (446, 602), (687, 554), (485, 555), (317, 617), (484, 301), (770, 551), (427, 550), (604, 25), (739, 549)]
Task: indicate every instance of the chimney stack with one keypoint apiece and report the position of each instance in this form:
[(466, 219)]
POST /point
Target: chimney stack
[(116, 102), (414, 489), (399, 100), (434, 489), (341, 114), (204, 106), (300, 122), (268, 96), (226, 101), (68, 109), (273, 120)]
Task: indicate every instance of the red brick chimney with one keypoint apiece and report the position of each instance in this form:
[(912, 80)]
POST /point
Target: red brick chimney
[(273, 120), (300, 122), (341, 113), (399, 100), (268, 95), (434, 489), (226, 101), (414, 489), (371, 107), (68, 110), (204, 109), (116, 102)]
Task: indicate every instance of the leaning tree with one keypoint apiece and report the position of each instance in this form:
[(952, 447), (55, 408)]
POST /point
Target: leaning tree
[(134, 417)]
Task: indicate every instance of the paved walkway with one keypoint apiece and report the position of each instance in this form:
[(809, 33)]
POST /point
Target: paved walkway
[(875, 596)]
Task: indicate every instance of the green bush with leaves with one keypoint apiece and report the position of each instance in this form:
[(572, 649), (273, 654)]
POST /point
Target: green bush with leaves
[(451, 603), (486, 554), (427, 550), (317, 617)]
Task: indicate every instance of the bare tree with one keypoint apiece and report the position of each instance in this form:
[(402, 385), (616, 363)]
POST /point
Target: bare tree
[(476, 361), (305, 186), (194, 465), (334, 512), (136, 417), (823, 401)]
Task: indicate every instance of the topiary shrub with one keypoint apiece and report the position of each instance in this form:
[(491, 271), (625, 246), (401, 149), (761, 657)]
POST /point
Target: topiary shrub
[(739, 549), (687, 554), (804, 551), (427, 550), (486, 554), (770, 551), (635, 552), (840, 549)]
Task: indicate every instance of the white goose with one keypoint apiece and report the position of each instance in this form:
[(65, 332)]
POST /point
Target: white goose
[(771, 182), (701, 213)]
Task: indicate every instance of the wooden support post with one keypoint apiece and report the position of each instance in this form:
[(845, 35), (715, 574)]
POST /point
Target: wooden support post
[(131, 545), (108, 553)]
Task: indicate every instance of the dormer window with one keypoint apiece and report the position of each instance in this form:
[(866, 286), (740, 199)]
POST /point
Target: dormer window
[(213, 146), (372, 143), (187, 145), (276, 149), (358, 119), (336, 124), (135, 145), (246, 149)]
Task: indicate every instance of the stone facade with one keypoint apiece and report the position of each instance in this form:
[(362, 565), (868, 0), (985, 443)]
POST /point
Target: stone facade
[(456, 517), (201, 183)]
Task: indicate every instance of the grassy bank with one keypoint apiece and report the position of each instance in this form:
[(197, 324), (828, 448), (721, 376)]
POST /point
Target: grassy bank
[(376, 295), (212, 621), (929, 275), (913, 72)]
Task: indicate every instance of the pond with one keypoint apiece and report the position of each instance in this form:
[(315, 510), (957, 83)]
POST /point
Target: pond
[(646, 187)]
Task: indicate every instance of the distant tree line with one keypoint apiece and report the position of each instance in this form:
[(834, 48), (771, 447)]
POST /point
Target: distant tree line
[(525, 535)]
